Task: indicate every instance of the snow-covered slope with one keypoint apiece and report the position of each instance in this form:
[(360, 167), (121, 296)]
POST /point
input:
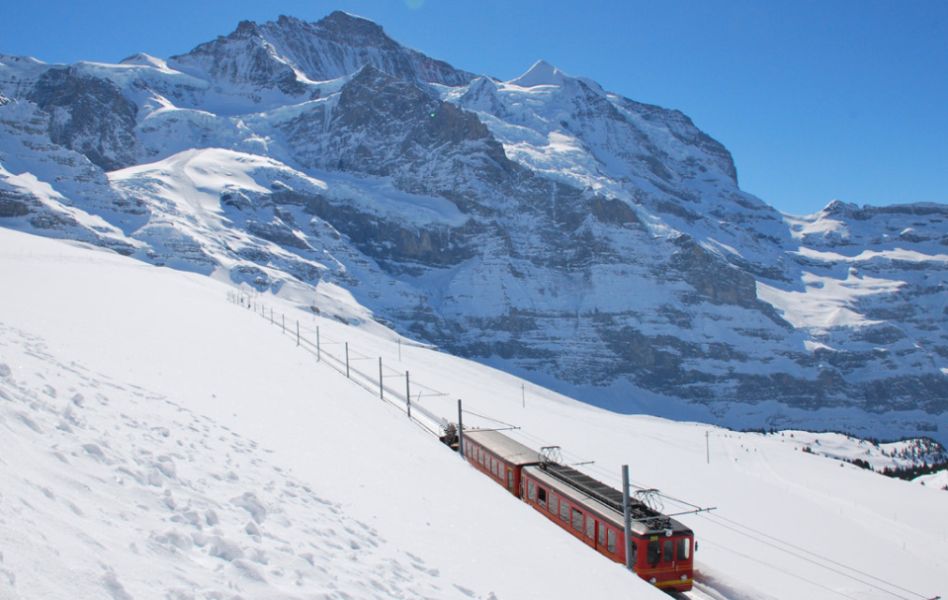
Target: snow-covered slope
[(159, 441), (543, 225)]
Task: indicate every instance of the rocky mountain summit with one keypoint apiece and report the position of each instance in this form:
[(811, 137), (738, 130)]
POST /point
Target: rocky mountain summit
[(544, 225)]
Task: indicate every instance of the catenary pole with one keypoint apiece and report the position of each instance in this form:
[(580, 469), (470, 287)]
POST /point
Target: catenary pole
[(408, 394), (626, 517), (460, 429)]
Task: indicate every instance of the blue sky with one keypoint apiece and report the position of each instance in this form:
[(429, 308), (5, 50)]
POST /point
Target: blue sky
[(816, 99)]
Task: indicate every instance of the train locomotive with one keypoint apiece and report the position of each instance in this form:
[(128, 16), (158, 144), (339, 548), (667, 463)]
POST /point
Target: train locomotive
[(662, 547)]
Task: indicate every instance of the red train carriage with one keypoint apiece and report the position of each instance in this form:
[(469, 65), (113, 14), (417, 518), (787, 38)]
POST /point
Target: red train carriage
[(662, 548), (499, 456)]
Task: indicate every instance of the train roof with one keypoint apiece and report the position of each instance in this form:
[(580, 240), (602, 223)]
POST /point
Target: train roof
[(510, 451), (604, 500)]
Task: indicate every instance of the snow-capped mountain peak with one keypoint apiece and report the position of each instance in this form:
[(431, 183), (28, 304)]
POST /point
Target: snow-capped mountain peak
[(541, 73), (289, 51), (142, 59)]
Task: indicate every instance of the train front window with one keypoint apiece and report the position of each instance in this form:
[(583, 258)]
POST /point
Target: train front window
[(684, 549), (669, 553), (654, 553)]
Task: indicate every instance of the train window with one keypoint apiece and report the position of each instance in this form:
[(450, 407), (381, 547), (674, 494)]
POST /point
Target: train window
[(612, 541), (602, 534), (577, 520), (654, 553), (635, 553), (669, 552), (684, 549), (554, 503), (564, 511), (541, 496), (510, 483), (531, 490), (590, 527)]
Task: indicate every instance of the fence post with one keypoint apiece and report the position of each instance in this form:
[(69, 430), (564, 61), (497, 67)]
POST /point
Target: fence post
[(381, 388), (297, 332), (627, 517), (347, 360), (319, 355), (408, 393), (460, 430)]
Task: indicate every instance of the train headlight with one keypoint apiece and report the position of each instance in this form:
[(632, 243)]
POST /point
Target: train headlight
[(652, 581), (684, 577)]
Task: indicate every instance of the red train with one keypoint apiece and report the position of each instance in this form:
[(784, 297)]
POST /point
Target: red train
[(662, 548)]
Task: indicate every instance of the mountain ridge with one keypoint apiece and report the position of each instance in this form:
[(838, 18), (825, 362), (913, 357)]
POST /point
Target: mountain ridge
[(563, 232)]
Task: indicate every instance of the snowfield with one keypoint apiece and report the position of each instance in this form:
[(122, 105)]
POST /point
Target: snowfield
[(158, 441)]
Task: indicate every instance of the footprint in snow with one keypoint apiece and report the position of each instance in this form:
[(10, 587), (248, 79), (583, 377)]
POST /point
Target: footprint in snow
[(114, 587)]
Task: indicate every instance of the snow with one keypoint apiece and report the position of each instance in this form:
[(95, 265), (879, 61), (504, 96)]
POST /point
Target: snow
[(867, 255), (826, 302), (167, 444), (193, 181), (935, 480), (541, 73), (879, 456), (205, 452)]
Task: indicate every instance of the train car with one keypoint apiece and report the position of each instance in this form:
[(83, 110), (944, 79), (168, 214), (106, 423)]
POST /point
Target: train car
[(662, 548), (500, 457)]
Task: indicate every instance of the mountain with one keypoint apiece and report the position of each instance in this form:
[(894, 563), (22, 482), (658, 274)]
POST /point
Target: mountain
[(544, 225)]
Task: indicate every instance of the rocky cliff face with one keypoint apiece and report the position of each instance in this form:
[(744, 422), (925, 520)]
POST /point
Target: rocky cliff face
[(545, 225)]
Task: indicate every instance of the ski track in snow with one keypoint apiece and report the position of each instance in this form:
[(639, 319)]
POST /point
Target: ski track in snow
[(103, 482)]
